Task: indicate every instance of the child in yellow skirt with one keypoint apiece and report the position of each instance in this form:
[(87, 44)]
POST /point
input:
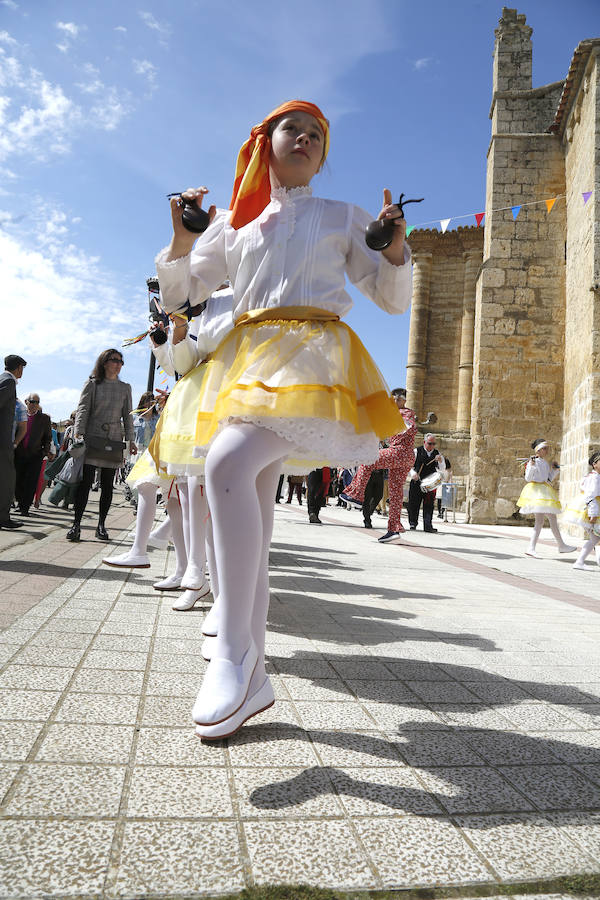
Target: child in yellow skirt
[(585, 510), (538, 497), (291, 383)]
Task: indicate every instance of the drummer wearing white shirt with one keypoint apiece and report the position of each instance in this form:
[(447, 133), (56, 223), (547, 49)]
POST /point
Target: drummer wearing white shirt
[(427, 461)]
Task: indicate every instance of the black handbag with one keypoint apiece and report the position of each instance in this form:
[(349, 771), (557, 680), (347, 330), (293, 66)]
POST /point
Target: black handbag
[(104, 449)]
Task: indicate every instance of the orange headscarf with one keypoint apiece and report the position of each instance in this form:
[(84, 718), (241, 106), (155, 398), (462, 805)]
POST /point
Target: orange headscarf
[(252, 186)]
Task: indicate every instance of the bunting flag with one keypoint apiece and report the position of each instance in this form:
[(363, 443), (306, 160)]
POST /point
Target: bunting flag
[(409, 228), (479, 217)]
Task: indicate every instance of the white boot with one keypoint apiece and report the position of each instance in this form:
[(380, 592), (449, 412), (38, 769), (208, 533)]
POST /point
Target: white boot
[(170, 583)]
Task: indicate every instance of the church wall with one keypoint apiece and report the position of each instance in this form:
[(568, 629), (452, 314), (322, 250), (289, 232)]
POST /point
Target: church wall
[(582, 330)]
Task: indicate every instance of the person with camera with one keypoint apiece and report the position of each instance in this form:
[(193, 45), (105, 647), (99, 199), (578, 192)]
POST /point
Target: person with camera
[(103, 418)]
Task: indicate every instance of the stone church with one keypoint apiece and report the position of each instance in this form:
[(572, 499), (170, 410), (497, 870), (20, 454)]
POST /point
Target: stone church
[(504, 338)]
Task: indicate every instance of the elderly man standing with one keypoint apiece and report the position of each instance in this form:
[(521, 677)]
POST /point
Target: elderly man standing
[(30, 453), (427, 461), (13, 366)]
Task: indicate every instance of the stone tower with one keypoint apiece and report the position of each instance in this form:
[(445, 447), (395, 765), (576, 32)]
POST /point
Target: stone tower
[(520, 296)]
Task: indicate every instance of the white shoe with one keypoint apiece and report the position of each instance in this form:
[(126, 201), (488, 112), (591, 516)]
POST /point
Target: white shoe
[(224, 688), (566, 548), (208, 648), (128, 561), (533, 553), (189, 599), (252, 706), (157, 543), (579, 565), (170, 583), (193, 578), (210, 625)]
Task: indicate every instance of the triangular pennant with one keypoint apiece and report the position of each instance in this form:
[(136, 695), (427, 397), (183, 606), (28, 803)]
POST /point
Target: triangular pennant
[(409, 228), (444, 223), (550, 203), (515, 211), (586, 196), (479, 218)]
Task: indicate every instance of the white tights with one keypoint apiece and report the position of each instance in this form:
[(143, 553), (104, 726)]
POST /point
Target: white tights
[(537, 529), (588, 547), (195, 515), (242, 469), (146, 511)]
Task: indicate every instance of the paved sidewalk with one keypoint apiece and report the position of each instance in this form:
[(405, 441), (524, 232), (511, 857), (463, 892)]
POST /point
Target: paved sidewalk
[(437, 721)]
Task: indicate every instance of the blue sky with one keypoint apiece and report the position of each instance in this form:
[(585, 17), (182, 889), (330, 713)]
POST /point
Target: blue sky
[(106, 108)]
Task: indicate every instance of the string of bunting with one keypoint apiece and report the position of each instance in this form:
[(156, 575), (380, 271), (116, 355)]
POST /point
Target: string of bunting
[(444, 223)]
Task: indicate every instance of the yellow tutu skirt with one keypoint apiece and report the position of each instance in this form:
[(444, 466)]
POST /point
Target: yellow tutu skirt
[(304, 375), (538, 497), (576, 513), (172, 446), (145, 472)]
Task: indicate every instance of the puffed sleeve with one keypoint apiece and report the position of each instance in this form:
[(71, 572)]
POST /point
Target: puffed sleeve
[(386, 285), (84, 407), (194, 277), (126, 413), (591, 491), (164, 357), (534, 470)]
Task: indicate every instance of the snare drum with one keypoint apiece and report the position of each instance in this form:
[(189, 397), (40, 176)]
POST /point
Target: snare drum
[(431, 482)]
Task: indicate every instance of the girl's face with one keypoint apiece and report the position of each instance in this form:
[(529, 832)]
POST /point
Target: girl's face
[(297, 144), (543, 452), (596, 466)]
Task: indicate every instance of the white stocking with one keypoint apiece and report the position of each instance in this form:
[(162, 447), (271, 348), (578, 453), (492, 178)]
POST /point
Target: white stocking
[(537, 529), (587, 548), (162, 532), (184, 499), (238, 456), (211, 559), (146, 510), (176, 528), (556, 530), (194, 575)]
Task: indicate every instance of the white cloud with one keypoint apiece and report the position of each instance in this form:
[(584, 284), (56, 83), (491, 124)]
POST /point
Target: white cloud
[(162, 28), (121, 28), (10, 4), (6, 38), (69, 28), (423, 62), (38, 119), (147, 70)]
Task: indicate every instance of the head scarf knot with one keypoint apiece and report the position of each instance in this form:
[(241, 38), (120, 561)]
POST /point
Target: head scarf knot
[(252, 185)]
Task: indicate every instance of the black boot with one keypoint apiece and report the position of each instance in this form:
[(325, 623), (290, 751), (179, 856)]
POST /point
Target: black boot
[(101, 532), (73, 534)]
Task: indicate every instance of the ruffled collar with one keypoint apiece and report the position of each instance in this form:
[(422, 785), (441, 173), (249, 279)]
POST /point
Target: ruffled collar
[(284, 194)]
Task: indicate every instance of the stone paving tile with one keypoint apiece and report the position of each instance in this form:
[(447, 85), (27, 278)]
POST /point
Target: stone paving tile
[(86, 743), (264, 745), (66, 790), (539, 717), (27, 705), (420, 851), (48, 656), (173, 684), (102, 709), (56, 859), (511, 748), (371, 792), (61, 640), (107, 659), (167, 711), (526, 846), (169, 858), (17, 739), (348, 749), (473, 789), (8, 773), (323, 853), (583, 828), (431, 748), (390, 716), (103, 681), (317, 689), (333, 715), (177, 747), (179, 791), (34, 678), (290, 793), (554, 787)]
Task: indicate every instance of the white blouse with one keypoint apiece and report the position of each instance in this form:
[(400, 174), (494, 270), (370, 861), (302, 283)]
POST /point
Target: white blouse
[(205, 333), (540, 471), (591, 490), (296, 253)]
